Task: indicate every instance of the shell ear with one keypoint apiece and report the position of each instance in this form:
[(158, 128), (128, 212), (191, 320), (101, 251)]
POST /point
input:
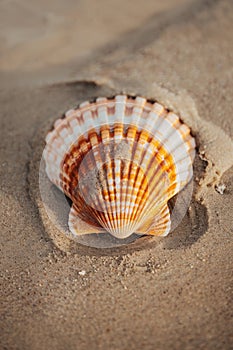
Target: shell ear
[(161, 224), (79, 227)]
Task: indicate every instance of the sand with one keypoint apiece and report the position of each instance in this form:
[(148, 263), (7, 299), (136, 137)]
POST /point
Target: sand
[(160, 293)]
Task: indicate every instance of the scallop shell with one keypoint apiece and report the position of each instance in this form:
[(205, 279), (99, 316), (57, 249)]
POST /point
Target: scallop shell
[(120, 160)]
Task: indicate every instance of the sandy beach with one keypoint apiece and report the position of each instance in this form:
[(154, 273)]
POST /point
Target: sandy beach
[(157, 293)]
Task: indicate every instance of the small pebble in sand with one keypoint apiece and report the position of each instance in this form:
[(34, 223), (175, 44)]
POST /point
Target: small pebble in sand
[(82, 273), (220, 188)]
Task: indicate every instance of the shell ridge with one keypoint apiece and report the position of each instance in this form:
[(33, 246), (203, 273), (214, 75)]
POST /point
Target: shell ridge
[(139, 188)]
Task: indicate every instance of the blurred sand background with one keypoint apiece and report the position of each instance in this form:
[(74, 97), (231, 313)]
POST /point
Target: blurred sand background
[(171, 293)]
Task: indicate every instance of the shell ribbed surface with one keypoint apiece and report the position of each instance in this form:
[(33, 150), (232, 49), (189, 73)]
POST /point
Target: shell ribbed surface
[(119, 160)]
